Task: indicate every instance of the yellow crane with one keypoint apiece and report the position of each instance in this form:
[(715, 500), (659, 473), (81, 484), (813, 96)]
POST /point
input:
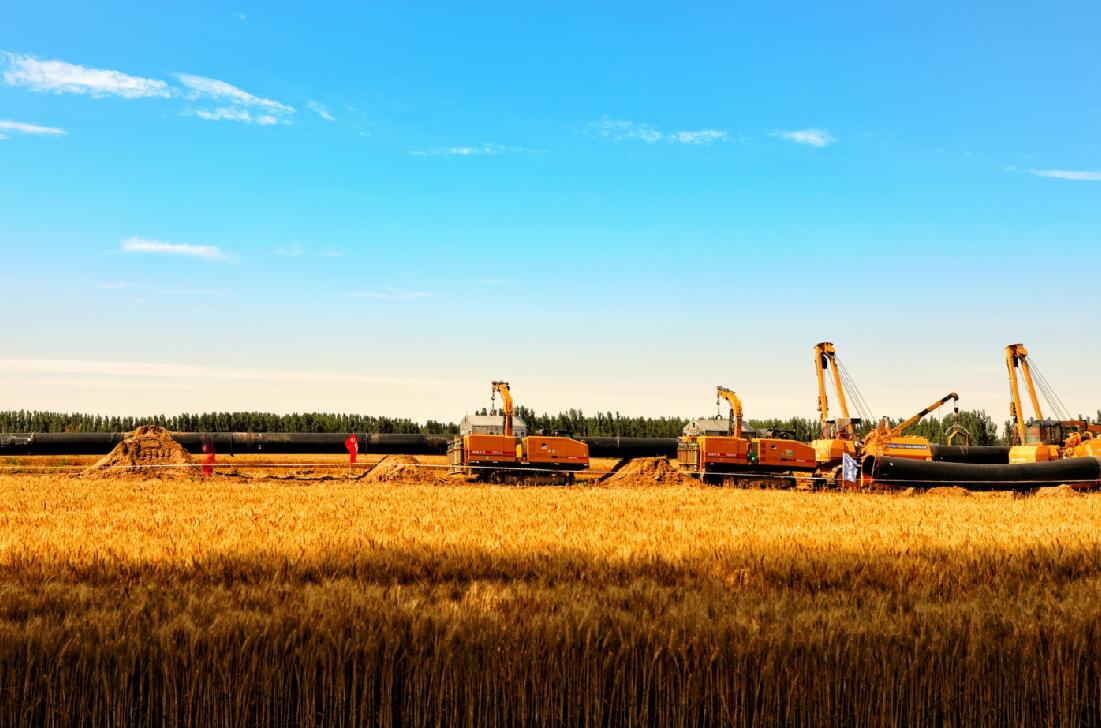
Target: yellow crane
[(884, 441), (506, 403), (1042, 439), (735, 409), (837, 435)]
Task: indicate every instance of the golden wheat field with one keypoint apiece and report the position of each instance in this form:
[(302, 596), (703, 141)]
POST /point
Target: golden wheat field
[(273, 602)]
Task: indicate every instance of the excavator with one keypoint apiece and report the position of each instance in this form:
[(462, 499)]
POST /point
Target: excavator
[(711, 458), (890, 442), (1040, 439), (507, 458)]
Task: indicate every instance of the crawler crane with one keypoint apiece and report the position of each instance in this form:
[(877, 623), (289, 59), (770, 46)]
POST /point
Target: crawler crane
[(507, 458), (714, 457), (838, 437), (1041, 439)]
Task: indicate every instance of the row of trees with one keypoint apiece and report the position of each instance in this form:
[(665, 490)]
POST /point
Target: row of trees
[(979, 425)]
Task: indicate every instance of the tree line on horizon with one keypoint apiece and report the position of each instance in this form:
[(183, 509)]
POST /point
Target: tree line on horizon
[(979, 426)]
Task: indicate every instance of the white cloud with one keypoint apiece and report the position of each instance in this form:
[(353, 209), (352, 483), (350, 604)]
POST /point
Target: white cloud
[(484, 149), (159, 247), (60, 77), (18, 127), (703, 136), (622, 130), (321, 110), (813, 137), (1071, 174), (202, 87), (391, 294), (230, 113)]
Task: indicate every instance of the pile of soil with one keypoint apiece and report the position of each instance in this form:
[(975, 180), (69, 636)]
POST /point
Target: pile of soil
[(147, 452), (1058, 491), (647, 472), (405, 469), (953, 490)]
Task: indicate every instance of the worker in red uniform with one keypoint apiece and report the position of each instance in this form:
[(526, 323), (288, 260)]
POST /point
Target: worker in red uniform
[(208, 459), (352, 443)]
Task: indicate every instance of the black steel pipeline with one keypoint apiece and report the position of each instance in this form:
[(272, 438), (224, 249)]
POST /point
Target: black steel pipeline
[(990, 454), (281, 443), (983, 476)]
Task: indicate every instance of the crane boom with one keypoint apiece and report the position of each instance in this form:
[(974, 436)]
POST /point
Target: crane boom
[(506, 401), (735, 409), (897, 429), (825, 356), (1016, 357)]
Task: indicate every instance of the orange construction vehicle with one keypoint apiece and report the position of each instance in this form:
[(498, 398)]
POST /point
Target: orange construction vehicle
[(1041, 439), (715, 456), (494, 452)]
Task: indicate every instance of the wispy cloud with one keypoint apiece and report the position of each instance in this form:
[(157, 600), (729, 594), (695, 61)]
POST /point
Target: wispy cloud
[(116, 285), (230, 113), (620, 130), (236, 103), (483, 149), (160, 247), (391, 294), (623, 130), (1076, 175), (811, 137), (321, 110), (60, 77), (703, 136), (18, 127), (215, 89)]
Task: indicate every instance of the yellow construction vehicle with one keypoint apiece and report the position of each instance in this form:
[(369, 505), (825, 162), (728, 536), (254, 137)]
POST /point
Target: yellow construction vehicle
[(889, 441), (838, 436), (1042, 439), (716, 456), (482, 451)]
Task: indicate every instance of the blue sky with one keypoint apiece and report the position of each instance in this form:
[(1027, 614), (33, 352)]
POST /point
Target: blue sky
[(380, 209)]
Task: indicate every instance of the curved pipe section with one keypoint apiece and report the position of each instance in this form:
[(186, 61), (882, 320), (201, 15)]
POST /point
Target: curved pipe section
[(983, 476)]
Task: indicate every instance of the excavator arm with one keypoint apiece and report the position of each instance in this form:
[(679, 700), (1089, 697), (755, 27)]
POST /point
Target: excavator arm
[(735, 409), (506, 402), (897, 429)]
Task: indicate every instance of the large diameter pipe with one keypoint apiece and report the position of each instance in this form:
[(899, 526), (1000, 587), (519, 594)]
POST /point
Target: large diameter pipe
[(984, 476), (990, 454), (279, 443)]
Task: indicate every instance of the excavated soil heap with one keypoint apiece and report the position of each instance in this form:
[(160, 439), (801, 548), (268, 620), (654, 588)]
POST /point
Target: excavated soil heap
[(147, 452), (1058, 491), (406, 469), (647, 472)]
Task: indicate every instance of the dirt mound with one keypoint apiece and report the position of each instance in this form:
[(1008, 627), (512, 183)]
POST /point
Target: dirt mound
[(404, 468), (647, 471), (1058, 491), (147, 452), (953, 490)]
